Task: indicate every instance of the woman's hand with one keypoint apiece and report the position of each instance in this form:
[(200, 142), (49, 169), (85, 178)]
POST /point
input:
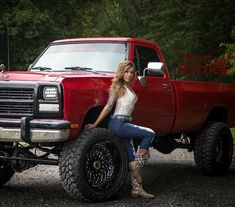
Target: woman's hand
[(102, 115), (89, 126)]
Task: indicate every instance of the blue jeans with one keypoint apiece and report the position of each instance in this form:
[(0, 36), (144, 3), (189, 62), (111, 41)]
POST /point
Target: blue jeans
[(127, 131)]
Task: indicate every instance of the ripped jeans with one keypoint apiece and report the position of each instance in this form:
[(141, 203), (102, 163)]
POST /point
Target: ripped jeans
[(127, 131)]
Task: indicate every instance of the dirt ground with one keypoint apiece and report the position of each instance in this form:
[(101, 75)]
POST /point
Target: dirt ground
[(173, 179)]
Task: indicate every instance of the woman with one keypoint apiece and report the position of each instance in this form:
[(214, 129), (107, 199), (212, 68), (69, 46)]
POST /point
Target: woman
[(121, 94)]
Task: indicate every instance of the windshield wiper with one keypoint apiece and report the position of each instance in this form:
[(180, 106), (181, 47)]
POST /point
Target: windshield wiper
[(41, 68), (81, 68), (78, 68)]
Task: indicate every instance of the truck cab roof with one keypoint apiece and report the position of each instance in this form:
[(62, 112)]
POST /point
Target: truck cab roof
[(104, 39)]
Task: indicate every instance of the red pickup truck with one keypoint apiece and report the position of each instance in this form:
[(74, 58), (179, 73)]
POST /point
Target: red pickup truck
[(43, 112)]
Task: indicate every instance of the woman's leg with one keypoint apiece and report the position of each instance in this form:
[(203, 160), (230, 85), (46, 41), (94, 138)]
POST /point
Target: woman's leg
[(136, 167), (146, 136), (116, 126), (129, 148)]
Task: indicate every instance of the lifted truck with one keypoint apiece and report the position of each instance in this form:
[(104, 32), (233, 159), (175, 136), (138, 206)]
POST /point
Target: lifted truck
[(43, 112)]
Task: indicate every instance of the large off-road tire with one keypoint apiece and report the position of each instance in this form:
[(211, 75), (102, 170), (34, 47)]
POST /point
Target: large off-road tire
[(214, 149), (94, 166), (6, 172)]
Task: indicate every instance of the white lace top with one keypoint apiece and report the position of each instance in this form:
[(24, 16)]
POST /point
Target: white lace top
[(124, 105)]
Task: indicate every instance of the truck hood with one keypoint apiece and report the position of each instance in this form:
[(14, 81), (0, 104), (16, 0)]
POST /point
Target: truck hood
[(46, 76)]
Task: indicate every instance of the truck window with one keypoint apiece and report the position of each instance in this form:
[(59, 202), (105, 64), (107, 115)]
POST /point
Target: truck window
[(144, 55), (98, 56)]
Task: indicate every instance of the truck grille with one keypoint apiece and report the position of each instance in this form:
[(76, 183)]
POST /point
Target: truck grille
[(16, 101)]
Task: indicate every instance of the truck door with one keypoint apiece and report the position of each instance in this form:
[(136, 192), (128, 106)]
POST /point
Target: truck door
[(155, 106)]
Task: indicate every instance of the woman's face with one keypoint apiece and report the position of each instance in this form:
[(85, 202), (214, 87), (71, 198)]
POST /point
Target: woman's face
[(129, 75)]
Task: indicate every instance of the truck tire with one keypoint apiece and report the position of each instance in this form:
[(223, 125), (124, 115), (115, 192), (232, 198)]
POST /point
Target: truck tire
[(214, 149), (6, 172), (94, 166)]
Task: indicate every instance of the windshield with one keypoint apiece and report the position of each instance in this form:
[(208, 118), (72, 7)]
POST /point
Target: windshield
[(96, 56)]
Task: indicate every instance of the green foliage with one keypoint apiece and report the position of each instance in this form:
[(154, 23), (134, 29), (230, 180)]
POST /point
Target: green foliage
[(193, 26), (177, 25), (33, 24), (28, 31), (230, 54)]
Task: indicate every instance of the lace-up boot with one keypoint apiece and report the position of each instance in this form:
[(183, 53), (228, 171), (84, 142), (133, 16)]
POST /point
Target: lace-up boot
[(136, 166)]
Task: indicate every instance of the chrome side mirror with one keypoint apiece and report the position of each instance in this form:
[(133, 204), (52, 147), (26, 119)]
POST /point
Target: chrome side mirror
[(153, 69), (2, 68)]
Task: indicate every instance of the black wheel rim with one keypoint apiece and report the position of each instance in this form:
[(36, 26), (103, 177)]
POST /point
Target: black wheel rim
[(102, 165)]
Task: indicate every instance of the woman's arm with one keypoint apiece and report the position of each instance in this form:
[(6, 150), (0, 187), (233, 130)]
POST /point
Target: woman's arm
[(102, 115), (108, 107)]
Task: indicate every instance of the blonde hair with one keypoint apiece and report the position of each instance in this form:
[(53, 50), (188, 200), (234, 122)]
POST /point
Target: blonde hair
[(117, 86)]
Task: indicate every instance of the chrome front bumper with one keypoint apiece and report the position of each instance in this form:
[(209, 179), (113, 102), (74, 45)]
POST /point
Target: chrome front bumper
[(34, 131)]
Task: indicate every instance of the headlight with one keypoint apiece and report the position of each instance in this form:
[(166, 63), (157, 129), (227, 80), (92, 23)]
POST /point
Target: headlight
[(49, 107), (50, 93), (50, 100)]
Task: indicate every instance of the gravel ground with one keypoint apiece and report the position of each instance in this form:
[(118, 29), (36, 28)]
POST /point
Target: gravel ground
[(173, 179)]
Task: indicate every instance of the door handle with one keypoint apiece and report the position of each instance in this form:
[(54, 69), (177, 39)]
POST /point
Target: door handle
[(167, 86)]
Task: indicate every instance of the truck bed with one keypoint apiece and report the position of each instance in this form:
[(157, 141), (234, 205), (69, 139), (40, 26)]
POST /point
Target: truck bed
[(194, 101)]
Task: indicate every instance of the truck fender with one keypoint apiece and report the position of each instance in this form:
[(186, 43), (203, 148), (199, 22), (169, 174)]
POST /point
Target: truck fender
[(92, 114)]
